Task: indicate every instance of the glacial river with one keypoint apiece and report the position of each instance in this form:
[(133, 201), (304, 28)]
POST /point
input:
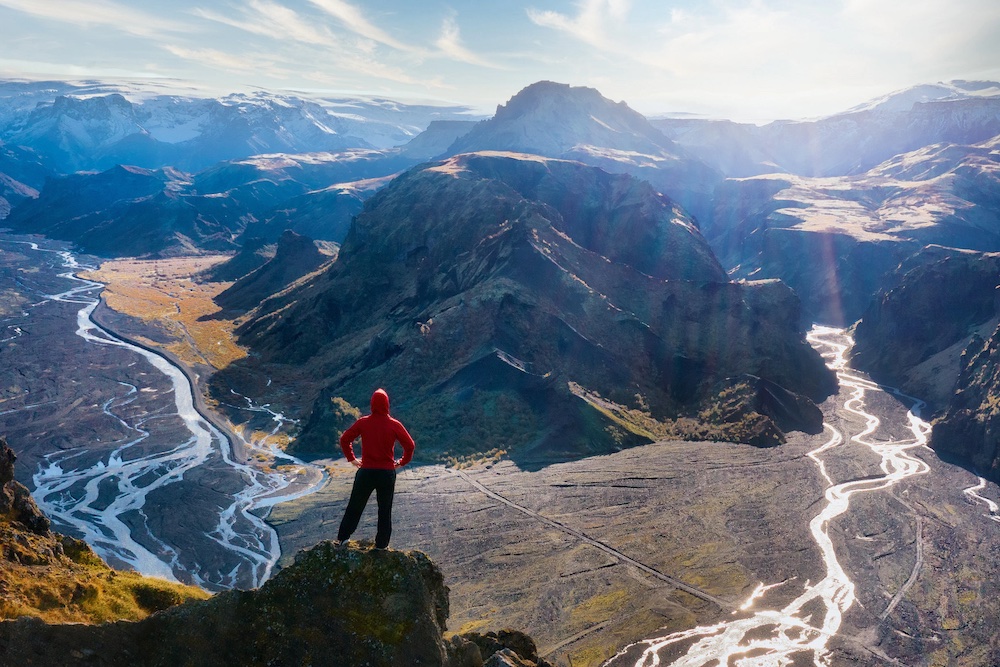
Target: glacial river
[(96, 498), (802, 629)]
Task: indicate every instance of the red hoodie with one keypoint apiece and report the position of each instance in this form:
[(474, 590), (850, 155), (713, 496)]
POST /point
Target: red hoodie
[(379, 433)]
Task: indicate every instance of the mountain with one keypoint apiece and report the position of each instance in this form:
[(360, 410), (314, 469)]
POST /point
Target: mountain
[(959, 112), (436, 139), (836, 240), (253, 253), (578, 123), (95, 125), (127, 211), (913, 332), (12, 193), (510, 301), (295, 257)]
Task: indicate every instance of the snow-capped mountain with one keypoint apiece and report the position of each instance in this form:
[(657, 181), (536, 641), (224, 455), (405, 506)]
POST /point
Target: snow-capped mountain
[(852, 142), (95, 125)]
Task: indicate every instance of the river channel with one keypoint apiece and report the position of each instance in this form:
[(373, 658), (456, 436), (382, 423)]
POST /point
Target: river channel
[(800, 631), (119, 451)]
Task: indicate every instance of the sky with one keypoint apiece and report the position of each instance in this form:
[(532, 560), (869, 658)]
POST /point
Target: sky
[(749, 60)]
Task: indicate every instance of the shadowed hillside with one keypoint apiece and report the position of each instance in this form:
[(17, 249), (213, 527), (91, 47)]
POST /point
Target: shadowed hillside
[(511, 301)]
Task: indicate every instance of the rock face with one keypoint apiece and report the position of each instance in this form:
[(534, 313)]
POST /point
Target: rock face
[(936, 304), (477, 289), (970, 429), (335, 606), (578, 123), (295, 257), (16, 503), (934, 336)]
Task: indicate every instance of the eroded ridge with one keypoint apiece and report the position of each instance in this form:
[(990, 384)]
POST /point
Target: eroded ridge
[(802, 629)]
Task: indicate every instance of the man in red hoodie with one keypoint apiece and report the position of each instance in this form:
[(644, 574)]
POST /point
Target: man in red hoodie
[(378, 463)]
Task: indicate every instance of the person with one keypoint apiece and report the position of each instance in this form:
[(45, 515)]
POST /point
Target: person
[(376, 468)]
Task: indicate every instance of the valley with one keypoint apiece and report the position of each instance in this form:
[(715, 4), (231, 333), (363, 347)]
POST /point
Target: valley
[(649, 363), (855, 546), (139, 451)]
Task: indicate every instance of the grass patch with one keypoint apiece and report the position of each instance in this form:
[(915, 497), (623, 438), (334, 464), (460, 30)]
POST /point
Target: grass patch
[(163, 292), (66, 582)]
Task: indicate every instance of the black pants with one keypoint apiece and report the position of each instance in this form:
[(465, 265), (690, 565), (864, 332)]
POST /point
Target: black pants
[(383, 483)]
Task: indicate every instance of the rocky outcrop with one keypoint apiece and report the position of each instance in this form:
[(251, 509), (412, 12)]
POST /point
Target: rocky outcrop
[(296, 256), (346, 605), (911, 334), (477, 289), (970, 429), (16, 503)]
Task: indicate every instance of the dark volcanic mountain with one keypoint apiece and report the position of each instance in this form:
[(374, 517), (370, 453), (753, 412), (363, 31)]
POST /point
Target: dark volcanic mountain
[(578, 123), (130, 211), (935, 335), (480, 290), (296, 256)]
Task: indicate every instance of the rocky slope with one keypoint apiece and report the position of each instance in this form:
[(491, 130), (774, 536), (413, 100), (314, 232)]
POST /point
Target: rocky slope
[(295, 257), (941, 298), (578, 123), (253, 253), (837, 240), (509, 301), (970, 429)]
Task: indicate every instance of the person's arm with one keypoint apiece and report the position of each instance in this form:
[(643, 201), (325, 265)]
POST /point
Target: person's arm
[(347, 443), (406, 441)]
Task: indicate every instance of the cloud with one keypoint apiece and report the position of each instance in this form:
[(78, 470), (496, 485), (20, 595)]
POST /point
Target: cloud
[(450, 44), (240, 63), (98, 13), (354, 20), (271, 20), (590, 23)]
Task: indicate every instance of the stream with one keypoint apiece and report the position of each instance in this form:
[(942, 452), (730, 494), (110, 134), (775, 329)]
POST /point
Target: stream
[(104, 501), (803, 628)]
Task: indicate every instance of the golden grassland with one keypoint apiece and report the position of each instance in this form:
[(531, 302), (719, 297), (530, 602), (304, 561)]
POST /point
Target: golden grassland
[(76, 586), (164, 293)]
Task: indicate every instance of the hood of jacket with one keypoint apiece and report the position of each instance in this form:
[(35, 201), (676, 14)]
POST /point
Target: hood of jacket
[(380, 402)]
